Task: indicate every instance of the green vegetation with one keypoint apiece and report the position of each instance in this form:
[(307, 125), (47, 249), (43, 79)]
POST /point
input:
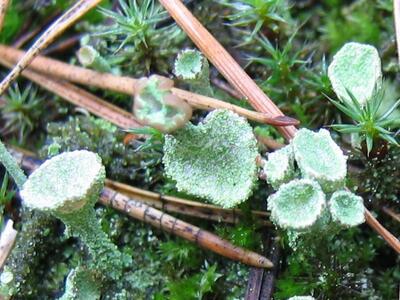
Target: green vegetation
[(330, 64)]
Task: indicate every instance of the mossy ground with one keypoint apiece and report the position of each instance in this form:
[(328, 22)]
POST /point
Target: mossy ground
[(289, 59)]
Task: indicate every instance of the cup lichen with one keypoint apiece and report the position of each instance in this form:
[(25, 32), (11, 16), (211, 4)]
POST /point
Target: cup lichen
[(302, 198), (192, 68), (67, 186), (320, 158), (346, 208), (155, 105)]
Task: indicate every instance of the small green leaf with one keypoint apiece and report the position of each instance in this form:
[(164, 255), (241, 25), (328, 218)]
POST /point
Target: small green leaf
[(215, 160), (347, 208), (319, 158), (300, 197), (279, 167), (357, 68)]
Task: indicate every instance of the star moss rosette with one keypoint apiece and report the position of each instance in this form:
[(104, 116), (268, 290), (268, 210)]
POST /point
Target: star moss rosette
[(279, 167), (67, 186), (215, 160), (320, 158), (347, 208), (297, 205)]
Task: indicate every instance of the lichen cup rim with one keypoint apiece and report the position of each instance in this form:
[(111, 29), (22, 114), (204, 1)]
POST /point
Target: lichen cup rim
[(290, 220), (64, 183)]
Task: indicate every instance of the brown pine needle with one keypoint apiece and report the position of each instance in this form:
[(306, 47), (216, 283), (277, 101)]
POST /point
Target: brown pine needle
[(395, 216), (185, 207), (163, 221), (3, 11), (231, 70), (82, 98), (127, 85), (382, 231), (59, 26)]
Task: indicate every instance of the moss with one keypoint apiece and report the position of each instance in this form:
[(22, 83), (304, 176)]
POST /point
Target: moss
[(32, 245)]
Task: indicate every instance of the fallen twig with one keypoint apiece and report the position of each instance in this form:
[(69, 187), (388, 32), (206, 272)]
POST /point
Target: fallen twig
[(231, 70), (382, 231), (128, 85), (61, 24), (161, 220), (186, 207), (82, 98), (7, 241), (3, 11), (262, 282), (205, 239)]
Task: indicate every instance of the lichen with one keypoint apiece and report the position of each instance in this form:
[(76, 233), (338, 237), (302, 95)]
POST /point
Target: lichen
[(347, 208), (355, 68), (297, 205), (67, 186), (155, 105), (279, 167), (64, 183), (192, 68), (215, 160), (320, 158)]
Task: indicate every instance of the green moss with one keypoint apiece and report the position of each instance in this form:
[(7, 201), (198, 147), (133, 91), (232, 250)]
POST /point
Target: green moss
[(81, 285)]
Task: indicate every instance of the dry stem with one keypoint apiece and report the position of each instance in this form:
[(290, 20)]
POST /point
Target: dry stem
[(82, 98), (382, 231), (128, 85), (185, 207), (161, 220), (58, 27), (395, 216)]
